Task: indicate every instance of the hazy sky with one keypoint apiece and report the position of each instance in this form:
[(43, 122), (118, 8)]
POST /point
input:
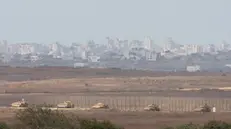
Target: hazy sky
[(45, 21)]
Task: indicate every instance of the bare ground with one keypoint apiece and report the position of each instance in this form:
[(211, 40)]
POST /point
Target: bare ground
[(63, 82), (42, 73)]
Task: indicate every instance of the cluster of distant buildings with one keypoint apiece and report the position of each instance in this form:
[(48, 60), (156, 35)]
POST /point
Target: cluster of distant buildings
[(114, 50)]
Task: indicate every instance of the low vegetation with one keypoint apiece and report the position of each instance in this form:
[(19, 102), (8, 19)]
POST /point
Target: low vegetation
[(3, 125), (210, 125), (38, 118), (44, 105)]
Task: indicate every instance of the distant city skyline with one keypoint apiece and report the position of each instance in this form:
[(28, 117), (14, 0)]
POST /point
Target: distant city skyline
[(187, 22)]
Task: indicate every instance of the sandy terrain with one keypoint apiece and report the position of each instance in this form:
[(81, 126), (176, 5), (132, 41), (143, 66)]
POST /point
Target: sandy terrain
[(70, 80), (120, 89), (119, 84), (88, 86), (41, 73)]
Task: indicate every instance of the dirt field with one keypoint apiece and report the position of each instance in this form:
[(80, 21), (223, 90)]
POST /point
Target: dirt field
[(140, 120), (41, 73), (118, 84), (88, 86), (120, 89), (70, 80)]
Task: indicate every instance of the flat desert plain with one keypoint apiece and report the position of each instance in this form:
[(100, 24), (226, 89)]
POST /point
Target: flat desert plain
[(122, 89)]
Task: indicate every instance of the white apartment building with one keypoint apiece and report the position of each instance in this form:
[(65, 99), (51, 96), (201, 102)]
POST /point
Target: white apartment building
[(78, 51), (148, 43), (209, 48), (54, 47), (150, 56), (225, 46), (79, 65), (135, 44), (110, 43), (84, 55), (4, 47), (25, 49), (193, 68), (171, 45), (93, 58), (55, 50), (34, 58), (193, 48), (125, 49)]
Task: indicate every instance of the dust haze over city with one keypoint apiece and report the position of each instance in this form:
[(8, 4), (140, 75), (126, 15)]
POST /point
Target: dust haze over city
[(142, 64), (150, 34)]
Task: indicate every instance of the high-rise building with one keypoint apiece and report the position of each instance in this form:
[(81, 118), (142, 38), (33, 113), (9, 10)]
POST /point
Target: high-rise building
[(170, 45), (55, 50), (210, 48), (224, 46), (193, 48), (25, 49), (148, 43), (4, 47)]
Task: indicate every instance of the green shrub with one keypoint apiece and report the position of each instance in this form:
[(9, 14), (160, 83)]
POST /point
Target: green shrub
[(216, 125), (169, 128), (206, 108), (94, 124), (185, 126), (44, 105), (209, 125), (38, 118), (189, 126), (3, 125)]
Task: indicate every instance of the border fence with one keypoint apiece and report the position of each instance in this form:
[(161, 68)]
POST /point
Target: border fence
[(138, 103)]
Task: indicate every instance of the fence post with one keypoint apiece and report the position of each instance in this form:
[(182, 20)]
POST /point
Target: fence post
[(139, 103), (77, 100), (89, 101), (169, 104), (121, 103), (130, 103), (85, 101), (186, 105), (226, 106), (113, 103), (135, 103), (116, 103)]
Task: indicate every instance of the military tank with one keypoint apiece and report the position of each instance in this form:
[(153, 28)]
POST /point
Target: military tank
[(66, 104), (152, 107), (21, 103), (100, 106)]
